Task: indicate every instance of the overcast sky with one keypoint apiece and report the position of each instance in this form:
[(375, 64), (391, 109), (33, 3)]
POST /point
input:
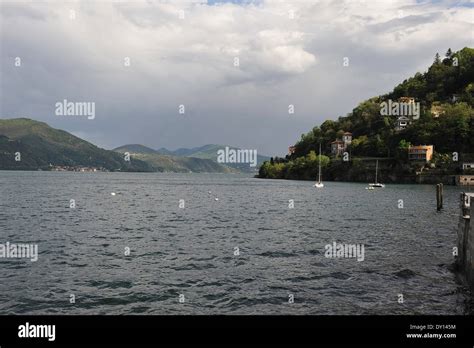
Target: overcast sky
[(288, 53)]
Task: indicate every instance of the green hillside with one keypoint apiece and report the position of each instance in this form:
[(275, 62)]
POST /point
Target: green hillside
[(42, 146), (187, 158), (134, 148), (167, 163), (210, 152), (164, 163)]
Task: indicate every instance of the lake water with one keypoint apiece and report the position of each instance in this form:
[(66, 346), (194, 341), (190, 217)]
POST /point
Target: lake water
[(191, 251)]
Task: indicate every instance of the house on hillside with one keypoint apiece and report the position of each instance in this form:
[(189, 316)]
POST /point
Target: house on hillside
[(420, 153), (347, 138), (406, 110), (402, 123), (339, 146), (468, 166)]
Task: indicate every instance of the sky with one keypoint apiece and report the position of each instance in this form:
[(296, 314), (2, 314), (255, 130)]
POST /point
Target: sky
[(234, 67)]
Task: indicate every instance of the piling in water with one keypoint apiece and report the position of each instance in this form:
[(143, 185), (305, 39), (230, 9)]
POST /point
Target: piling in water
[(439, 196), (465, 257)]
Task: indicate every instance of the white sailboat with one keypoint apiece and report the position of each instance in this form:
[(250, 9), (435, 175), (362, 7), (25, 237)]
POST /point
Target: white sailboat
[(376, 184), (319, 184)]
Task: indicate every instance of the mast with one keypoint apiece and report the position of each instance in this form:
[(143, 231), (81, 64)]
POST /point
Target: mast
[(319, 177), (376, 170)]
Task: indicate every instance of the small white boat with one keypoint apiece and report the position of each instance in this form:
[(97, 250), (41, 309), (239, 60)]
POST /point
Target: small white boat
[(319, 184), (376, 184)]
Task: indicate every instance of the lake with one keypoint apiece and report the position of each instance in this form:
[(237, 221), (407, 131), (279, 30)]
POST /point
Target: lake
[(239, 246)]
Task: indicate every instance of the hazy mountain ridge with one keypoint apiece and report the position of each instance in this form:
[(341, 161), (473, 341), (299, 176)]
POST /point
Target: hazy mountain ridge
[(162, 161), (205, 152), (167, 163)]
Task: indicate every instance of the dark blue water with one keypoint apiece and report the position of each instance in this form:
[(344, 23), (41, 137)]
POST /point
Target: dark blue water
[(190, 251)]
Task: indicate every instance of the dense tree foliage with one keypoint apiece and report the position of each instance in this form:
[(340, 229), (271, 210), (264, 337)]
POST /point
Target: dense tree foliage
[(448, 85)]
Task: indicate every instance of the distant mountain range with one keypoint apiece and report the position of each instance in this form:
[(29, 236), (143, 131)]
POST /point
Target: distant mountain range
[(206, 152), (163, 162), (27, 144)]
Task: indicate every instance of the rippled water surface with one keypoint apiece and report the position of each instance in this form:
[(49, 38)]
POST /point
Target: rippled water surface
[(190, 251)]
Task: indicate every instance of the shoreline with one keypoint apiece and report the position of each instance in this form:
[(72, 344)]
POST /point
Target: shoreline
[(431, 182), (448, 179)]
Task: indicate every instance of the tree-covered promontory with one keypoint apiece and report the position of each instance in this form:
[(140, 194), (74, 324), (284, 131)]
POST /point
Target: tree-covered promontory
[(445, 93)]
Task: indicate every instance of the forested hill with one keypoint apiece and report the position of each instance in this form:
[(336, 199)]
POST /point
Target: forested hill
[(27, 144), (445, 93)]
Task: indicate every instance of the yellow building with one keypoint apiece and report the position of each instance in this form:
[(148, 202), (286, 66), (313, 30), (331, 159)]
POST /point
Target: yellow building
[(420, 153), (465, 180)]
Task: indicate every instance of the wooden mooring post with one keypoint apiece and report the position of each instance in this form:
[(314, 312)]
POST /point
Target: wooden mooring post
[(439, 197), (465, 247)]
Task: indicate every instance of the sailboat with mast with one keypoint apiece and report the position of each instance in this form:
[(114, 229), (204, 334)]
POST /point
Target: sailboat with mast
[(319, 183), (376, 184)]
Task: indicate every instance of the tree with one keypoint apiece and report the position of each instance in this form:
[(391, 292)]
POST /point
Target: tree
[(403, 144), (437, 59), (312, 157), (449, 53)]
